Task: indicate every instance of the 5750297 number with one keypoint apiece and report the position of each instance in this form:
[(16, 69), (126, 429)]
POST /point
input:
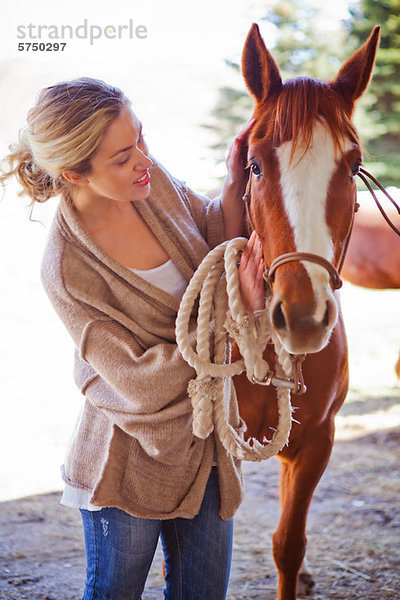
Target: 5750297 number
[(42, 46)]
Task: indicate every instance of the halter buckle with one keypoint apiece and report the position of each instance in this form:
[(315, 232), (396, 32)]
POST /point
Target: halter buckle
[(297, 387), (265, 380)]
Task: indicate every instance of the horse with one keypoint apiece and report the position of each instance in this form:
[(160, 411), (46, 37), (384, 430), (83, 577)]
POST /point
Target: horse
[(303, 155), (373, 256)]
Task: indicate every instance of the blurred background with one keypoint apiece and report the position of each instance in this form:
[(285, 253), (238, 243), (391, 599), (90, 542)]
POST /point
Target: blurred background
[(185, 84)]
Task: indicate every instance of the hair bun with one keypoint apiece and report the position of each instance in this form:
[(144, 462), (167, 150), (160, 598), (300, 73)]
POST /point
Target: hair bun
[(63, 132), (35, 182)]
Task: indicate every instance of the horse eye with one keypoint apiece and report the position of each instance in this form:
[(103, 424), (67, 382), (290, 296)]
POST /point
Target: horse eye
[(255, 169), (355, 168)]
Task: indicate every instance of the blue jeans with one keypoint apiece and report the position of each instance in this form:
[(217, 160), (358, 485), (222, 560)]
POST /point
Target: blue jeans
[(120, 549)]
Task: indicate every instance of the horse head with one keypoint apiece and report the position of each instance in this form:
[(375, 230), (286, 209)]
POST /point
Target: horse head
[(303, 154)]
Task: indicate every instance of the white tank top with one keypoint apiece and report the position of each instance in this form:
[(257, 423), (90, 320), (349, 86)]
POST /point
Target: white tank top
[(167, 277)]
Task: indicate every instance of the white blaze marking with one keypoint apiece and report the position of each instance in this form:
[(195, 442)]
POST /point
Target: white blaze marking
[(304, 184)]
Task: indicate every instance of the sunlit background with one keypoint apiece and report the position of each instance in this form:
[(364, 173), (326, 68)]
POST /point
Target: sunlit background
[(173, 77)]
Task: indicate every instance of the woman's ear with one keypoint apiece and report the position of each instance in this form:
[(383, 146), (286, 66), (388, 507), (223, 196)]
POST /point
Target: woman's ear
[(75, 178)]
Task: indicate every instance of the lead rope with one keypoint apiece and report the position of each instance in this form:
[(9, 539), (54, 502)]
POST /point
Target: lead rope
[(251, 333)]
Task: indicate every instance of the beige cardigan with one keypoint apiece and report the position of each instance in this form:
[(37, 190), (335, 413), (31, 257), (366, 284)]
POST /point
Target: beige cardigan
[(133, 446)]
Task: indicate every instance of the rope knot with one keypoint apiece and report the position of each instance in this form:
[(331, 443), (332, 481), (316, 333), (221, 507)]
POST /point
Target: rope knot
[(204, 387), (240, 329), (203, 392)]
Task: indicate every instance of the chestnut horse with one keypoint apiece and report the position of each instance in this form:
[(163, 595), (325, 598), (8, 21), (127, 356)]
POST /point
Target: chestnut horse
[(373, 256), (303, 154)]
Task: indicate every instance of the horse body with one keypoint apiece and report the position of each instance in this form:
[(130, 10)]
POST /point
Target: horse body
[(373, 257), (303, 153)]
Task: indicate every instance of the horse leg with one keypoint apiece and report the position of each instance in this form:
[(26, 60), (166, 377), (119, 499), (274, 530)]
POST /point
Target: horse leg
[(302, 469), (306, 580)]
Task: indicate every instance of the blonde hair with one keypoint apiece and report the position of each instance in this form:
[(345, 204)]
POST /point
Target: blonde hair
[(63, 132)]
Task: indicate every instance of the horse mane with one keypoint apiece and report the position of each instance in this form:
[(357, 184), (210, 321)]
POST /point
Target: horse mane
[(303, 101)]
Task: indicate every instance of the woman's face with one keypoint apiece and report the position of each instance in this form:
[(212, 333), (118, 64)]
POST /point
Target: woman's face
[(119, 169)]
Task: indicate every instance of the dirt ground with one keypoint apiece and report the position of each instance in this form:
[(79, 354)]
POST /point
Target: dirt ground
[(354, 521), (353, 530)]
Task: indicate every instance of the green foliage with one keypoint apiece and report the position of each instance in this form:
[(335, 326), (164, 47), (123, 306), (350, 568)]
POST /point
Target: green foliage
[(307, 44), (381, 127)]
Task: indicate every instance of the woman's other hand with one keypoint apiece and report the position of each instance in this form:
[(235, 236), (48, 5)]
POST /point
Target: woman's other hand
[(251, 271)]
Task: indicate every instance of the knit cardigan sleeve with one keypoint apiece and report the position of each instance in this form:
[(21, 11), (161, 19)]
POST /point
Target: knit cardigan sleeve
[(163, 434), (144, 392), (147, 382), (206, 213)]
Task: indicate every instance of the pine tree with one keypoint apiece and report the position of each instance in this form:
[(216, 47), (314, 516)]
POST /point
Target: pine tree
[(380, 128)]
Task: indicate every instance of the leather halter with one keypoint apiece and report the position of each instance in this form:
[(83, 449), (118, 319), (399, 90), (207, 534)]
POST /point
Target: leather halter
[(334, 273), (294, 256), (315, 258)]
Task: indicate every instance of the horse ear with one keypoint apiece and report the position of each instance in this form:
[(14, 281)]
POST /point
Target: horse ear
[(354, 76), (260, 71)]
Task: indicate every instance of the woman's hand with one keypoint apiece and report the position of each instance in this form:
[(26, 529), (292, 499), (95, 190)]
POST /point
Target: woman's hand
[(251, 271), (236, 159), (235, 183)]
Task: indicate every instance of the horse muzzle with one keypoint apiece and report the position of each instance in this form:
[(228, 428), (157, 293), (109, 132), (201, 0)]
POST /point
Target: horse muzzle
[(303, 322), (303, 331)]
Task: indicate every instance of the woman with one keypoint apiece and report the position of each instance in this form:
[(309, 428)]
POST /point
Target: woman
[(125, 241)]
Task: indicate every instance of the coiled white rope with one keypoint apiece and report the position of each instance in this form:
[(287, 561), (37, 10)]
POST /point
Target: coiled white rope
[(251, 334)]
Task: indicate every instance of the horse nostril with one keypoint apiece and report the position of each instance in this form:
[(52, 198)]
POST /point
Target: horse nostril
[(325, 320), (278, 318)]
